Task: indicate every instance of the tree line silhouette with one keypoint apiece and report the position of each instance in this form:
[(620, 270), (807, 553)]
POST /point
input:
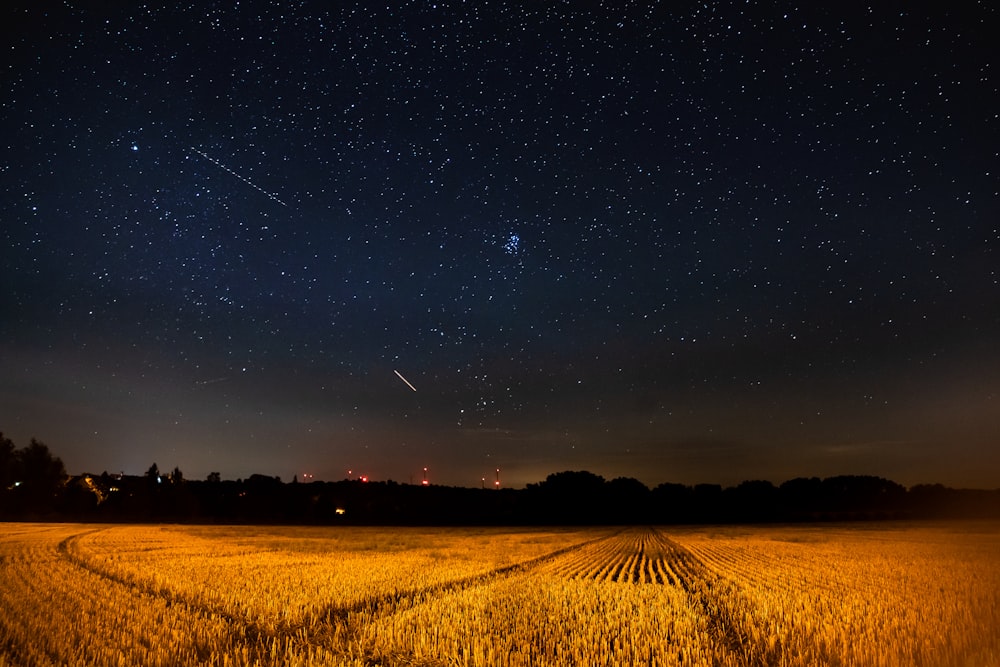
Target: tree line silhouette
[(34, 486)]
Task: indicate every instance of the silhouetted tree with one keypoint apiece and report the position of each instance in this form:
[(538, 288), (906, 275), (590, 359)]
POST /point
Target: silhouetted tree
[(569, 497), (801, 498), (752, 500), (672, 503), (33, 483), (6, 476), (706, 503), (41, 476), (628, 501), (6, 463), (862, 494), (263, 496)]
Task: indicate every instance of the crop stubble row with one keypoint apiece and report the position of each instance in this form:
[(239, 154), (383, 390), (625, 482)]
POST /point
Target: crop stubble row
[(633, 596), (248, 631)]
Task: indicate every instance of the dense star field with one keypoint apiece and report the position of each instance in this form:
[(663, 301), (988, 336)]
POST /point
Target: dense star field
[(679, 242)]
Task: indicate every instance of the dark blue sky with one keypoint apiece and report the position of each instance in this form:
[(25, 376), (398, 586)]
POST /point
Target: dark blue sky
[(695, 242)]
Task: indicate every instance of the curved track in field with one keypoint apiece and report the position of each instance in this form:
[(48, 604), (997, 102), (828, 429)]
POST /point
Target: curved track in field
[(58, 612), (638, 556), (382, 605), (339, 623), (244, 629)]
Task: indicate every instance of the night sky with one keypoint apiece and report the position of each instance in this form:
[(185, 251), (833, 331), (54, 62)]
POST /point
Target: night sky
[(685, 241)]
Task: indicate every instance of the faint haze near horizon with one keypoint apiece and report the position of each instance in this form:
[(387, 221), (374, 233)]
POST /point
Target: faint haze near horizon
[(695, 243)]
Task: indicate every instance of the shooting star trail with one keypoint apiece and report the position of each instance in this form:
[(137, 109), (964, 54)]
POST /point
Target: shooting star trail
[(212, 381), (404, 380), (224, 167)]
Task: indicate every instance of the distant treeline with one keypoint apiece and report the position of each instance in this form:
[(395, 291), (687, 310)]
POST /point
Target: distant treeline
[(35, 486)]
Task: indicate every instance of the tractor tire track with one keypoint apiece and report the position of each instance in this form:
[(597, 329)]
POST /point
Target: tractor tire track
[(339, 624), (54, 602), (244, 632), (380, 606), (718, 600)]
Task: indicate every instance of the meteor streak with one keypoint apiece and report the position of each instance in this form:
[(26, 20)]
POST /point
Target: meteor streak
[(404, 380), (212, 381), (245, 180)]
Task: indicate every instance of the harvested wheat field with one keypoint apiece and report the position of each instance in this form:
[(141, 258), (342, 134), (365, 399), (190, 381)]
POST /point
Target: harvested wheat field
[(862, 594)]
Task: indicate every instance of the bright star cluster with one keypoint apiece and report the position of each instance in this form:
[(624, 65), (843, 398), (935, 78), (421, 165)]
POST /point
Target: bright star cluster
[(679, 242)]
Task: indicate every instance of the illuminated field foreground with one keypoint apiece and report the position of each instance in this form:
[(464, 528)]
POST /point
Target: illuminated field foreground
[(892, 594)]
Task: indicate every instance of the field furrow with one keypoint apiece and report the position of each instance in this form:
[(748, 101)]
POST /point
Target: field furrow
[(57, 613), (639, 556), (861, 597), (154, 595), (372, 609), (291, 610)]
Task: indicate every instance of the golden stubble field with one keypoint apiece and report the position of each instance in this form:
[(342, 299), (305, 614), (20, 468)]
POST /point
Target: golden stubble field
[(862, 594)]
